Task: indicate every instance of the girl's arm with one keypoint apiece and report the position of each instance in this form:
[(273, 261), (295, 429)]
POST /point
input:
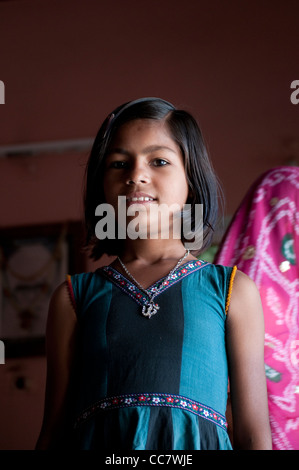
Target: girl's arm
[(60, 346), (245, 347)]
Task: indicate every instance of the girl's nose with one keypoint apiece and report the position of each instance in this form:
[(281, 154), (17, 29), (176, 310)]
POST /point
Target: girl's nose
[(137, 174)]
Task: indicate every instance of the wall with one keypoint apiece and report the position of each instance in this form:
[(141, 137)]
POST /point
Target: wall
[(65, 64)]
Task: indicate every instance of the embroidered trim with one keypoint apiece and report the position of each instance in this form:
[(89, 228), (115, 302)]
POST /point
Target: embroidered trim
[(230, 288), (133, 291), (71, 291), (154, 399)]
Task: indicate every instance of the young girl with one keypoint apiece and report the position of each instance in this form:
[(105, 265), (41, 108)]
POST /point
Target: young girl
[(263, 239), (139, 352)]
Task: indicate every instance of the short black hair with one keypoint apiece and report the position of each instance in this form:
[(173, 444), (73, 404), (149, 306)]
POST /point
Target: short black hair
[(202, 181)]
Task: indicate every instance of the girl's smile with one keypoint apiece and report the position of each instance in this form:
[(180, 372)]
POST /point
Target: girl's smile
[(139, 198)]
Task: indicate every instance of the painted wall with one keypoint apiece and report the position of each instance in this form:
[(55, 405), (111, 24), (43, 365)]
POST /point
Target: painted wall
[(66, 64)]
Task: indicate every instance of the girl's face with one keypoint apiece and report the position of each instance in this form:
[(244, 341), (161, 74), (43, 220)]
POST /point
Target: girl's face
[(145, 165)]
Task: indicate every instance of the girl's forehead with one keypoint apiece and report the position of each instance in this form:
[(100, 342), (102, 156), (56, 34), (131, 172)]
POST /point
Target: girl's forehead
[(143, 130)]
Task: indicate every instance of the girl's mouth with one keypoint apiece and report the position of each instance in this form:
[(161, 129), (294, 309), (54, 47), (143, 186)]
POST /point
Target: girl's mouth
[(139, 198)]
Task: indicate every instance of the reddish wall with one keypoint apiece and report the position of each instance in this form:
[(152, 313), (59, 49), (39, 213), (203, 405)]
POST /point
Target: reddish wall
[(66, 64)]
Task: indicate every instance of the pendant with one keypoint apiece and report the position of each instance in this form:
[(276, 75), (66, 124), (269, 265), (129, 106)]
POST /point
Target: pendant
[(149, 309)]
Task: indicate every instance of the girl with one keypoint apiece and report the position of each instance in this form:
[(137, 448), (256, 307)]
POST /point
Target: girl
[(139, 351), (263, 239)]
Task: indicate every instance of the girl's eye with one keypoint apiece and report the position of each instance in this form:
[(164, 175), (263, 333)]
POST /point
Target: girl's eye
[(160, 162), (118, 164)]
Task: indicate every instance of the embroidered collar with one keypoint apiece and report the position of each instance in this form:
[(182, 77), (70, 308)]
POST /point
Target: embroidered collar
[(140, 297)]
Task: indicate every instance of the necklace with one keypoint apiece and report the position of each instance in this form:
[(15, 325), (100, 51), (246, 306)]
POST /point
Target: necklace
[(150, 308)]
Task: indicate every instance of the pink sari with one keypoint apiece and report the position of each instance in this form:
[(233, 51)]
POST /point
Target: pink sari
[(263, 241)]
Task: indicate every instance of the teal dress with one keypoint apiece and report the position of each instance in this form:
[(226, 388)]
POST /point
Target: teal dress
[(151, 384)]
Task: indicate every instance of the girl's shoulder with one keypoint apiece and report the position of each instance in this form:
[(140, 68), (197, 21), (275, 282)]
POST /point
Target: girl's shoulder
[(84, 287), (223, 275), (245, 300), (85, 280)]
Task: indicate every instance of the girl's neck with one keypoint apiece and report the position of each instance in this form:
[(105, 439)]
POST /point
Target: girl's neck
[(152, 251), (150, 260)]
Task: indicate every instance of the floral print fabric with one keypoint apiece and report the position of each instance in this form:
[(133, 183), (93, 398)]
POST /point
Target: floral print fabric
[(263, 241)]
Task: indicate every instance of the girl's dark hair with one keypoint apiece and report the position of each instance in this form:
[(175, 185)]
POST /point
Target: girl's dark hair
[(202, 181)]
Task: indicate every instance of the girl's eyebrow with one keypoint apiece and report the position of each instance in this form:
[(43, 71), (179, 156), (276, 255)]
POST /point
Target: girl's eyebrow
[(155, 148), (146, 150)]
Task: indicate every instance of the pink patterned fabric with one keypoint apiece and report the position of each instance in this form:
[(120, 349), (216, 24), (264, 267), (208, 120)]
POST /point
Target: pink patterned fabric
[(263, 241)]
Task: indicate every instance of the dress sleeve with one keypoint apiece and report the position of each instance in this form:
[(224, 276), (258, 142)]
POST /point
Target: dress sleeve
[(230, 288), (71, 291)]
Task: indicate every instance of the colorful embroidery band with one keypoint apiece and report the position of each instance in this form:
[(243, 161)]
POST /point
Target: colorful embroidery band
[(133, 291), (154, 399)]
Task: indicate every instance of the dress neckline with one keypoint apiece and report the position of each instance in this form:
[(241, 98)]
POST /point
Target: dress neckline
[(140, 296)]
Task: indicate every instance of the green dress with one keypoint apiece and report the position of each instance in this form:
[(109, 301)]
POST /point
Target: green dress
[(151, 384)]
